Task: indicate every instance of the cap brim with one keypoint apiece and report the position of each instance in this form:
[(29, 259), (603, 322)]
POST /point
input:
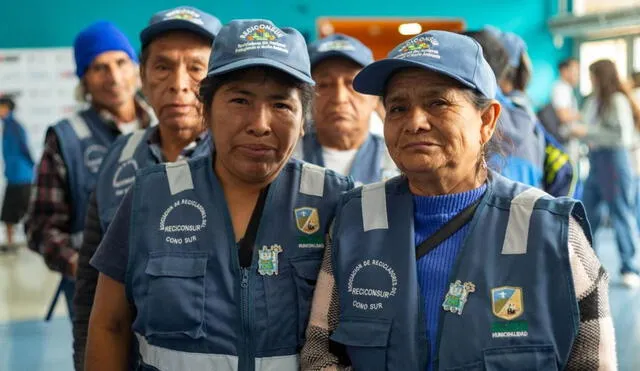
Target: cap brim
[(373, 78), (338, 54), (152, 31), (264, 62)]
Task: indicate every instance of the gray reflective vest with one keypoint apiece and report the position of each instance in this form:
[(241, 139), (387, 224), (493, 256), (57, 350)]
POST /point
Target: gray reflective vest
[(83, 139), (511, 303), (128, 154), (196, 307), (371, 164)]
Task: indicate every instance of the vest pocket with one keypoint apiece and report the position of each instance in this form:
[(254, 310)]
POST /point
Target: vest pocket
[(175, 296), (305, 276), (524, 358), (366, 342)]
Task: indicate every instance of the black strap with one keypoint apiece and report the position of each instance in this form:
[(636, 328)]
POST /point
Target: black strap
[(447, 230), (245, 250)]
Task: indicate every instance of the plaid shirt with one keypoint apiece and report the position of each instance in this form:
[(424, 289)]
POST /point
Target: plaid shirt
[(48, 222)]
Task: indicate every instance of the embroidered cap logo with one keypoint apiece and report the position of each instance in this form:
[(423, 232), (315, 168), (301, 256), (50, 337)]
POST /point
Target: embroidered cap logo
[(261, 36), (184, 14), (336, 45), (420, 46)]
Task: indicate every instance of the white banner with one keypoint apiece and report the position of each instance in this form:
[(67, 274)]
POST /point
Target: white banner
[(42, 81)]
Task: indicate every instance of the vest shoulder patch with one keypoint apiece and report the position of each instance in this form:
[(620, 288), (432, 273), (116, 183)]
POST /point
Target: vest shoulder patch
[(374, 206), (178, 176), (312, 180)]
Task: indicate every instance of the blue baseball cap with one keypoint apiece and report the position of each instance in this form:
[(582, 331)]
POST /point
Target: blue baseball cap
[(451, 54), (340, 46), (512, 43), (246, 43), (181, 18)]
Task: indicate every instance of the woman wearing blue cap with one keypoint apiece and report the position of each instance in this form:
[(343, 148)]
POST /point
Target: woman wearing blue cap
[(452, 266), (212, 262)]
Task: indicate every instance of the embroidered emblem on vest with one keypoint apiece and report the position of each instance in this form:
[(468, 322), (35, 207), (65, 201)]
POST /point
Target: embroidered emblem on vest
[(268, 260), (457, 296), (506, 302), (307, 219)]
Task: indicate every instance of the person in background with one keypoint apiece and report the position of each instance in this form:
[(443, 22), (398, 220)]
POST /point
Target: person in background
[(559, 175), (212, 262), (522, 150), (563, 96), (175, 52), (18, 169), (452, 266), (74, 147), (611, 119), (340, 137)]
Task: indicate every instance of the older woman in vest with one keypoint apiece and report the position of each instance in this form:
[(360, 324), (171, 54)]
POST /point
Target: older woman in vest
[(452, 266)]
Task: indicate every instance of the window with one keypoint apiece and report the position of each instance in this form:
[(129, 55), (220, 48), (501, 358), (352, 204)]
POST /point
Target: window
[(591, 51), (582, 7)]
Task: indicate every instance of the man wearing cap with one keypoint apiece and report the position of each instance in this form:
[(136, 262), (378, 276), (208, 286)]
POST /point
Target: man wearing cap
[(75, 146), (340, 139), (212, 262), (175, 53), (452, 266)]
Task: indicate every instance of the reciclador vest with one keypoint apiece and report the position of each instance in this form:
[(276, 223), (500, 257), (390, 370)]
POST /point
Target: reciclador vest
[(127, 155), (197, 309), (511, 303), (84, 139)]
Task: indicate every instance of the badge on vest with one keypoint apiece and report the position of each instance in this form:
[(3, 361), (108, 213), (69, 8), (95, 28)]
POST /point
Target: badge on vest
[(506, 302), (307, 219), (268, 260), (308, 222), (457, 296)]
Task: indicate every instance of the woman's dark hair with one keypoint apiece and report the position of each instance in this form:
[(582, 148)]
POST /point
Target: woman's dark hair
[(607, 83), (493, 52), (522, 74), (494, 150), (210, 85)]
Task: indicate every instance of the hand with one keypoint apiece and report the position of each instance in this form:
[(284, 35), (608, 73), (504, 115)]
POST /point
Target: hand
[(72, 268), (578, 131)]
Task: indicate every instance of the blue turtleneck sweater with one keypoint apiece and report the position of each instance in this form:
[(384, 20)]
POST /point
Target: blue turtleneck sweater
[(434, 269)]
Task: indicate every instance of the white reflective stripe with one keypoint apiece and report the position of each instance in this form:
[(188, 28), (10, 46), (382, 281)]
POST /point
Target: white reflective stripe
[(517, 234), (130, 147), (79, 126), (279, 363), (172, 360), (179, 176), (76, 240), (312, 180), (374, 206)]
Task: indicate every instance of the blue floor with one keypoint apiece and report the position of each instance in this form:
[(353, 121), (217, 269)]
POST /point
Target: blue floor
[(625, 305), (35, 345)]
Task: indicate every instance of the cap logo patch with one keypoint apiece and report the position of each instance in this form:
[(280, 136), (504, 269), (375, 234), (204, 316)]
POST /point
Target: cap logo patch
[(336, 45), (261, 36), (185, 15), (421, 46)]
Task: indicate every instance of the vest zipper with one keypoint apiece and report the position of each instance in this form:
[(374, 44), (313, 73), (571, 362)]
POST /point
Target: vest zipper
[(246, 359)]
